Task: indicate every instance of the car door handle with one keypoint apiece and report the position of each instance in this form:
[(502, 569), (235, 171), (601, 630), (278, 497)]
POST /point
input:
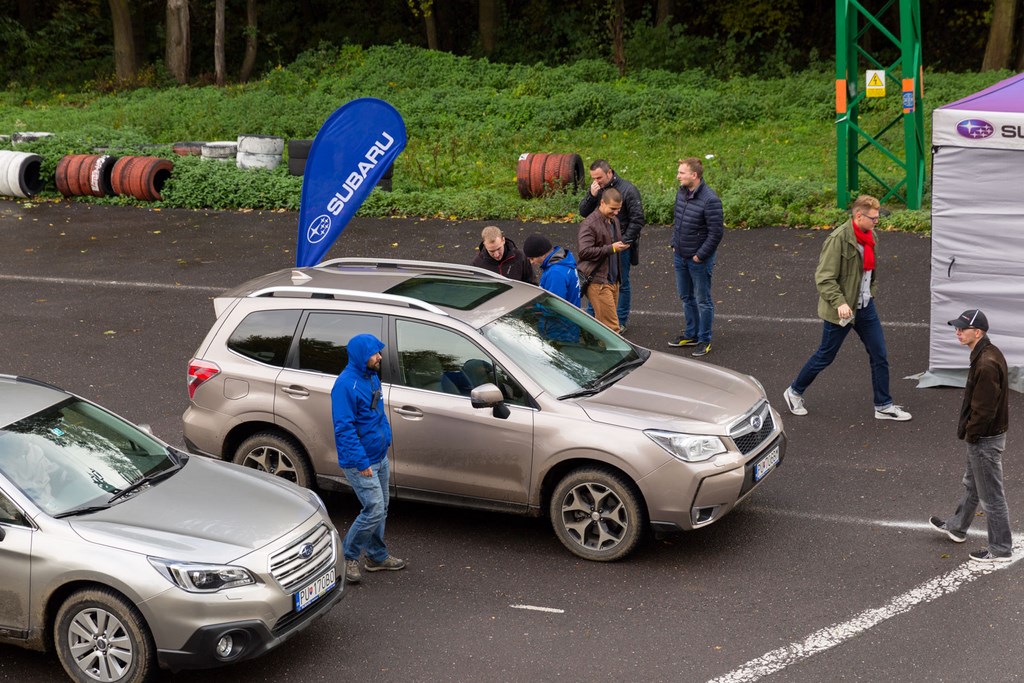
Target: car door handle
[(409, 411), (298, 392)]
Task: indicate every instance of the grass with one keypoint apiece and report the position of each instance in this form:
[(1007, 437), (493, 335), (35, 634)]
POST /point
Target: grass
[(769, 145)]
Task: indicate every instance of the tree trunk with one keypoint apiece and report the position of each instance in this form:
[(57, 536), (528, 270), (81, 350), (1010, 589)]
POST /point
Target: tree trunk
[(250, 41), (27, 14), (218, 43), (615, 28), (124, 41), (431, 23), (177, 52), (999, 48), (664, 12), (489, 13)]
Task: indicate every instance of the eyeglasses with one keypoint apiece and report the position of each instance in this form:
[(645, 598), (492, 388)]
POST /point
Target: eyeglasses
[(873, 219)]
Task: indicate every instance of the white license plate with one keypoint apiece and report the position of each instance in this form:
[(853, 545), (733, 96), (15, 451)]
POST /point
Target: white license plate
[(314, 591), (766, 464)]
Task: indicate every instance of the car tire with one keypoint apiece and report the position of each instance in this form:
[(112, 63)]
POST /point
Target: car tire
[(620, 518), (100, 636), (276, 454)]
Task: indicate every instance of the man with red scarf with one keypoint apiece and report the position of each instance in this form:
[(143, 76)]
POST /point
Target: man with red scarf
[(846, 300)]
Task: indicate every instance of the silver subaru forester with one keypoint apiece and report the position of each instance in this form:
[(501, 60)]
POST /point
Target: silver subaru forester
[(500, 397), (124, 554)]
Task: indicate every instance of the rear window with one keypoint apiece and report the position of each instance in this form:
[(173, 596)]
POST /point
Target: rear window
[(265, 336)]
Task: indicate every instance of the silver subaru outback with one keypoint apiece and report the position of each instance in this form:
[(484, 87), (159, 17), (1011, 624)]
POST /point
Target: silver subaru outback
[(500, 397), (124, 554)]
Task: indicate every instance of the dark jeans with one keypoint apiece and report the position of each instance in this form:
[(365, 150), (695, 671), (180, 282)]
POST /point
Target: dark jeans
[(693, 283), (983, 481), (625, 300), (869, 328)]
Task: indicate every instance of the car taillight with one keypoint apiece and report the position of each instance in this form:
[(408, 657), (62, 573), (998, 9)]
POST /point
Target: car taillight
[(198, 372)]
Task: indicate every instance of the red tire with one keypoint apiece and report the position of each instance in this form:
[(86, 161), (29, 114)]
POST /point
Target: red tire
[(61, 175)]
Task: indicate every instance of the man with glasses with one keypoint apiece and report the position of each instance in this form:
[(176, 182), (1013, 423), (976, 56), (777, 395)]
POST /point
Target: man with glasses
[(984, 417), (845, 278)]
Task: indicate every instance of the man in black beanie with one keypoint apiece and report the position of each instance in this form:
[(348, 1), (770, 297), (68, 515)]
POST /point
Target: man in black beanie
[(558, 267)]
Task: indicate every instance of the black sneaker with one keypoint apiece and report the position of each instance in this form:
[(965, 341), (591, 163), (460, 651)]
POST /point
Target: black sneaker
[(985, 557), (702, 350), (683, 341), (940, 526)]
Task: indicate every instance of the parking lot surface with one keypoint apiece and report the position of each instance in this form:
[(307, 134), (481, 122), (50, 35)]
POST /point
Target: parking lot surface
[(827, 572)]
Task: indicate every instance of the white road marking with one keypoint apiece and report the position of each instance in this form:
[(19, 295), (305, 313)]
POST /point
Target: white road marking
[(534, 608), (771, 319), (110, 283), (827, 638)]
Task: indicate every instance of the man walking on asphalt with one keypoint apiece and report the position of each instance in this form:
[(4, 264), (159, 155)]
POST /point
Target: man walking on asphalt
[(846, 299), (500, 255), (362, 436), (598, 243), (697, 229), (631, 220), (983, 421)]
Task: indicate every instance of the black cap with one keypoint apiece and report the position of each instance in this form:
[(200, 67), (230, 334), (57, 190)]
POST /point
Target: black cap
[(536, 245), (972, 317)]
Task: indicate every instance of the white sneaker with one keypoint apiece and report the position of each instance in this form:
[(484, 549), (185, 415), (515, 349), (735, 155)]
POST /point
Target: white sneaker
[(796, 402), (892, 413)]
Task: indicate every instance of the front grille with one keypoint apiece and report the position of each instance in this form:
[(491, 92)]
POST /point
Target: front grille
[(293, 571), (743, 433)]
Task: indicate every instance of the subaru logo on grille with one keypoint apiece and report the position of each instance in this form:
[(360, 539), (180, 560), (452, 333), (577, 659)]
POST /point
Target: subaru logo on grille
[(756, 423), (306, 551), (976, 129)]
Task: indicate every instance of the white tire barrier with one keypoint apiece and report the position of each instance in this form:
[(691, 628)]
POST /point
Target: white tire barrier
[(20, 174), (19, 138), (221, 151), (260, 144), (247, 160)]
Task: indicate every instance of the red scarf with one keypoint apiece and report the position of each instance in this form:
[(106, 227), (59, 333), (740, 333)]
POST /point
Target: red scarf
[(866, 240)]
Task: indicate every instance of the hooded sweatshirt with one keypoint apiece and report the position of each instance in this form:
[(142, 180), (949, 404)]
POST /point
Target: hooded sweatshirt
[(361, 430), (558, 275)]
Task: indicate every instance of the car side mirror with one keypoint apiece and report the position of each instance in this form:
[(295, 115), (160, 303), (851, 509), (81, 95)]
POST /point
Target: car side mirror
[(3, 533), (490, 396)]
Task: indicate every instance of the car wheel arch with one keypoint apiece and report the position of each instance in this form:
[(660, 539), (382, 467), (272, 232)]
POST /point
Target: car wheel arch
[(60, 595), (558, 471), (302, 465)]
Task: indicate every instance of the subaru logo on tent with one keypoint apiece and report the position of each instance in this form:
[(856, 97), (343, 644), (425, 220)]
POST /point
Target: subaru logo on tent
[(976, 129)]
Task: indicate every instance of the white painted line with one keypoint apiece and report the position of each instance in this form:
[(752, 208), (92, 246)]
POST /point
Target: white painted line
[(827, 638), (978, 530), (110, 283), (771, 319), (534, 608)]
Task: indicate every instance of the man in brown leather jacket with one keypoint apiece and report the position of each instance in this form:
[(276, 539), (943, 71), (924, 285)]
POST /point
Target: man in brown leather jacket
[(983, 423)]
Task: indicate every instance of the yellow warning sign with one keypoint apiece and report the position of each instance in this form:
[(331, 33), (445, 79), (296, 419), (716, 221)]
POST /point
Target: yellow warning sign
[(875, 83)]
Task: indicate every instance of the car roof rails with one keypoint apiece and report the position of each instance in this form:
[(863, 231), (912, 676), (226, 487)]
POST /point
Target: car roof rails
[(423, 266), (348, 295)]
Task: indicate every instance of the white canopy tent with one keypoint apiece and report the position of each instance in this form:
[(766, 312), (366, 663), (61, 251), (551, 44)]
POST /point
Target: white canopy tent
[(978, 227)]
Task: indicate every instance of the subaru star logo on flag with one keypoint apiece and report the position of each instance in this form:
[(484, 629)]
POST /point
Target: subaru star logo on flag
[(353, 149)]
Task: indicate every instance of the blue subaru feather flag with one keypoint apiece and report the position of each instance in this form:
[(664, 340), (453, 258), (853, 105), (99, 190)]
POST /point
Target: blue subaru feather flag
[(353, 149)]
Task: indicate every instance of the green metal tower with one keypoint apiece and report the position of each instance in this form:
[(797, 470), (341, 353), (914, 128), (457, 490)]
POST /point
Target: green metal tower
[(853, 23)]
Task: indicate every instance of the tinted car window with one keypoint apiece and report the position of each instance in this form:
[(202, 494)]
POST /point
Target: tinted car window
[(437, 359), (9, 513), (463, 295), (325, 336), (265, 336)]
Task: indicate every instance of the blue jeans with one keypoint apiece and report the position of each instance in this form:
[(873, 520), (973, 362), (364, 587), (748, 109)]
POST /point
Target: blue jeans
[(693, 282), (367, 531), (624, 294), (983, 481), (869, 328)]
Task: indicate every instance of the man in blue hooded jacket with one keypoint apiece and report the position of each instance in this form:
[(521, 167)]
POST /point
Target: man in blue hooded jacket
[(362, 436)]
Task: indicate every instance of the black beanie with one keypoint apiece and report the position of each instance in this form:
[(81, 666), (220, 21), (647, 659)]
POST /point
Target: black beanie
[(536, 245)]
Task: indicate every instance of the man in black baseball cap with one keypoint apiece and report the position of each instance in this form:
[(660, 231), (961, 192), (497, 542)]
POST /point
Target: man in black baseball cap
[(983, 423)]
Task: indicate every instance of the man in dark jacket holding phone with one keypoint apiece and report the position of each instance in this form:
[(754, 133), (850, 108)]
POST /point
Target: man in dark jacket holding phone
[(984, 418)]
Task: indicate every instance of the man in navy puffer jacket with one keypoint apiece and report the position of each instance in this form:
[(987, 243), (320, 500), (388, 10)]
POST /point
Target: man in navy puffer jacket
[(697, 230), (362, 436)]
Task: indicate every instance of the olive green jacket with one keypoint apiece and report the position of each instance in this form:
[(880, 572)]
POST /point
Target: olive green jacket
[(839, 272)]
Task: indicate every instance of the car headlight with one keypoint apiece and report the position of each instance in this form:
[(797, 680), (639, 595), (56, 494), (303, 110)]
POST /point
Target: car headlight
[(202, 578), (687, 447)]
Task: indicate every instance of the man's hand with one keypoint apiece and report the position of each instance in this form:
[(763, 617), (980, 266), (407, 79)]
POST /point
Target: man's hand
[(594, 188), (368, 472), (620, 246), (844, 311), (695, 259)]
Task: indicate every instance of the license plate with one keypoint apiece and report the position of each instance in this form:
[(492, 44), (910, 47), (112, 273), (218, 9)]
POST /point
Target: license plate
[(314, 591), (766, 464)]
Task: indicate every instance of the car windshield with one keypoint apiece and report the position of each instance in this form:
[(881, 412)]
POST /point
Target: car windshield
[(563, 349), (76, 455)]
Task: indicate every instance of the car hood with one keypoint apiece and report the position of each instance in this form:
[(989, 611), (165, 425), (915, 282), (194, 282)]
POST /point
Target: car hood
[(208, 512), (675, 394)]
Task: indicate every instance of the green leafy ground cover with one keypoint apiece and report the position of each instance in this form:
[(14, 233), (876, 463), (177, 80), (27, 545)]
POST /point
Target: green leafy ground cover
[(768, 144)]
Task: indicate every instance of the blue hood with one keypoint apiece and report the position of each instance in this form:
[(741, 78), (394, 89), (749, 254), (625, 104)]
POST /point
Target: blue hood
[(360, 349)]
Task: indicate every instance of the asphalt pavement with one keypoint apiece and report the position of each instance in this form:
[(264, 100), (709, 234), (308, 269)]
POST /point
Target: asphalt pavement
[(828, 572)]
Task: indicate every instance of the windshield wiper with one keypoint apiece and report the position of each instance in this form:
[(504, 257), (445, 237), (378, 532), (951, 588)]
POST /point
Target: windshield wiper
[(610, 376), (80, 511), (142, 481)]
